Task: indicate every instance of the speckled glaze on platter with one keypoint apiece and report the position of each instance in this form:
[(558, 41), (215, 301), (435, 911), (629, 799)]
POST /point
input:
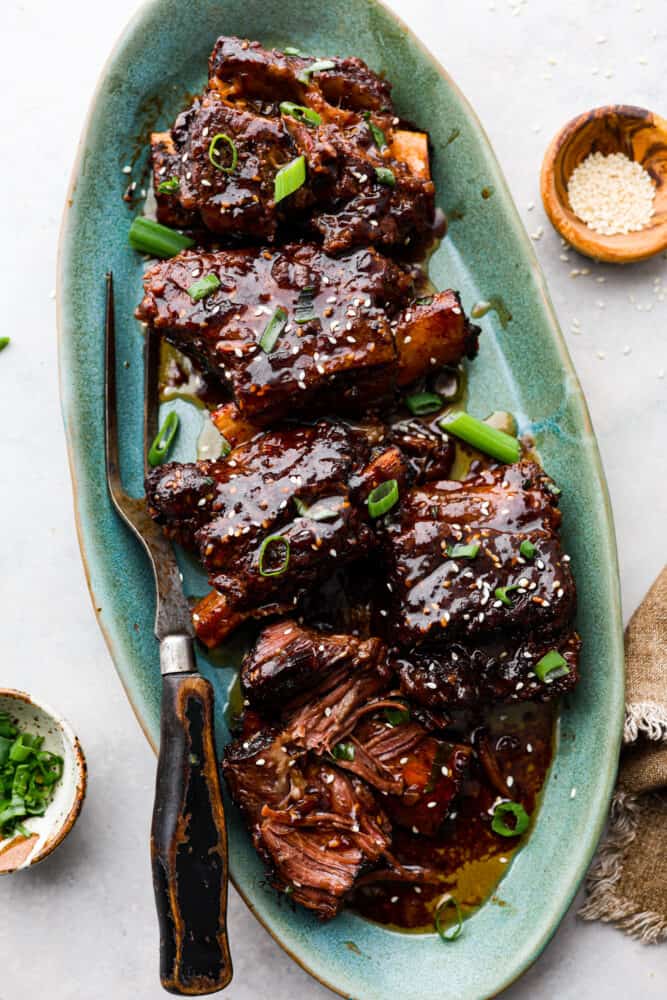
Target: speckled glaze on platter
[(523, 367)]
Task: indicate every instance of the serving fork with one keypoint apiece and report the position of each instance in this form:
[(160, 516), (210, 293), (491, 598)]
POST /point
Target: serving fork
[(188, 833)]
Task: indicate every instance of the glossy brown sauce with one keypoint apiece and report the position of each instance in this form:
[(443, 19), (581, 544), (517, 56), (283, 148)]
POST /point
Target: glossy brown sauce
[(469, 857)]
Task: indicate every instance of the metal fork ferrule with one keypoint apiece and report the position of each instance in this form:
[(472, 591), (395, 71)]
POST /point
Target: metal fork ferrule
[(177, 655)]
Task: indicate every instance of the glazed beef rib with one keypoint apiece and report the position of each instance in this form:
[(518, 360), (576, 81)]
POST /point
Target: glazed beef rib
[(453, 551), (316, 828), (367, 175), (348, 330), (284, 510)]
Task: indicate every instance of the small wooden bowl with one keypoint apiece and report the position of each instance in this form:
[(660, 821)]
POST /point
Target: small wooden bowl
[(49, 830), (616, 128)]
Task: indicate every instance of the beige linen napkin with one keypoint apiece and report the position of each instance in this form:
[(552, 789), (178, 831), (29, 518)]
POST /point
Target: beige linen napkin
[(627, 882)]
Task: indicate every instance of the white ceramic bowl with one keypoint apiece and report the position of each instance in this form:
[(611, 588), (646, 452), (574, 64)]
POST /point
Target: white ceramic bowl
[(50, 829)]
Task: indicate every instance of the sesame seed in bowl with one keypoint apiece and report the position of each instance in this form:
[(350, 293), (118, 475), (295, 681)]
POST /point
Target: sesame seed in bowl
[(604, 183)]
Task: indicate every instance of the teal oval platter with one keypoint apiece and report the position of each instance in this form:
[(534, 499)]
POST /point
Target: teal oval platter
[(523, 366)]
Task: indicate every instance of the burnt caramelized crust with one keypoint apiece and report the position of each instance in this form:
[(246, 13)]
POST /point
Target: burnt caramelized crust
[(438, 595), (360, 336), (344, 199)]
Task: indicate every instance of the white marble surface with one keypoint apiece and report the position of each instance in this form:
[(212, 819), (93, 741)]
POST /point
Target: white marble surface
[(82, 924)]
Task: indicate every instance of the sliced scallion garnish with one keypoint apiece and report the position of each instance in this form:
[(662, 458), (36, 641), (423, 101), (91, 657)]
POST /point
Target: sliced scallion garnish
[(383, 498), (502, 594), (4, 341), (290, 50), (163, 440), (289, 179), (449, 934), (343, 751), (169, 187), (375, 130), (421, 403), (507, 809), (157, 240), (273, 329), (315, 67), (551, 666), (304, 311), (28, 775), (459, 551), (397, 716), (274, 541), (385, 176), (318, 511), (485, 438), (300, 112), (527, 549), (214, 153), (204, 286)]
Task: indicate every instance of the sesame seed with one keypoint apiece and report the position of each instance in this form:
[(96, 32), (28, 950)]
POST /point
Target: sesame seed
[(612, 194), (260, 762)]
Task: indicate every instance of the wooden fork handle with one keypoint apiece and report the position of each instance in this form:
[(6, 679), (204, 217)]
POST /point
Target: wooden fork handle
[(189, 843)]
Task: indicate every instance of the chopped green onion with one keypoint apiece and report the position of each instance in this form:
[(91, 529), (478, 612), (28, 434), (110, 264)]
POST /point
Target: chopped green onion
[(475, 432), (421, 403), (502, 594), (27, 777), (527, 549), (168, 187), (397, 716), (301, 113), (385, 176), (383, 498), (551, 666), (343, 751), (7, 728), (3, 342), (273, 329), (225, 447), (213, 150), (304, 311), (289, 50), (463, 551), (315, 512), (377, 133), (449, 934), (289, 179), (205, 286), (553, 489), (274, 540), (157, 240), (521, 819), (316, 67), (164, 439)]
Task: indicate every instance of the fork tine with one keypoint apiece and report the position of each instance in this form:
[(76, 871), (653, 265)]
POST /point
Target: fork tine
[(151, 402), (110, 415)]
